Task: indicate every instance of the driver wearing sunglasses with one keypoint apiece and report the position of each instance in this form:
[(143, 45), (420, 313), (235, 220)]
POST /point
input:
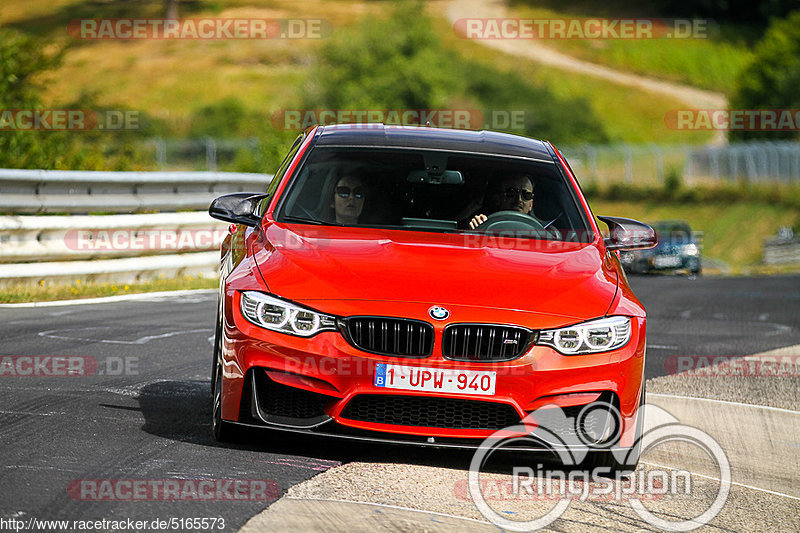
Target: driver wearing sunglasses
[(348, 200), (513, 193)]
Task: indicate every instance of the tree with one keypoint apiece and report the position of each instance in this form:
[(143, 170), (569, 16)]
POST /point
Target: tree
[(21, 62), (399, 63), (772, 79), (392, 63), (171, 9), (21, 59)]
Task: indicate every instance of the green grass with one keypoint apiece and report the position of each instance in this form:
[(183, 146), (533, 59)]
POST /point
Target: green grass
[(51, 291), (628, 114), (171, 80), (711, 63), (733, 232)]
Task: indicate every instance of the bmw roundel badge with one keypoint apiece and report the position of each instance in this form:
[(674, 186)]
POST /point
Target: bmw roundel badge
[(438, 313)]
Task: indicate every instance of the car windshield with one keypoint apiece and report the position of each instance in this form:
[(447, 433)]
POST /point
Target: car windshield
[(673, 231), (435, 191)]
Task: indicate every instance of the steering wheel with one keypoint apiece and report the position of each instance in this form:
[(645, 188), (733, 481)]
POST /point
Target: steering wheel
[(509, 221)]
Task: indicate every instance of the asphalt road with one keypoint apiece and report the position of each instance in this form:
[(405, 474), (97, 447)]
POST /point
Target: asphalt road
[(717, 316), (144, 413)]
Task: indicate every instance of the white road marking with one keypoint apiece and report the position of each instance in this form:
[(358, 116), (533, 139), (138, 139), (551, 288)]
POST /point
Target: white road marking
[(779, 328), (662, 347), (398, 507), (40, 467), (109, 299), (142, 340), (751, 487), (755, 405)]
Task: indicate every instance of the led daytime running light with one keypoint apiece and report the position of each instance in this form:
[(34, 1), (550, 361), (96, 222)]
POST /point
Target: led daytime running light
[(279, 315), (595, 336)]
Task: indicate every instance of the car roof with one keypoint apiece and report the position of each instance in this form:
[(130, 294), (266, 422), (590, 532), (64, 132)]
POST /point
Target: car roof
[(451, 140), (670, 224)]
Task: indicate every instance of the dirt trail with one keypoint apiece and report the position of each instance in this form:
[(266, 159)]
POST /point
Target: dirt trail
[(533, 49)]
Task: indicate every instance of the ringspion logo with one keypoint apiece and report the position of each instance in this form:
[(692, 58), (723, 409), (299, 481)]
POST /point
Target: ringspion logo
[(540, 484)]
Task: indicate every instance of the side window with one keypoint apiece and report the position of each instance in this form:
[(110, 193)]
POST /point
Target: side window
[(276, 179)]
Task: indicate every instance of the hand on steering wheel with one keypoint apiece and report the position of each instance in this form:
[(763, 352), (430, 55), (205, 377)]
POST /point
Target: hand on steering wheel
[(505, 221), (476, 221)]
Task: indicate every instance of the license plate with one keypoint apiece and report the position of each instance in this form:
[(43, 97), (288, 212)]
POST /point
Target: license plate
[(667, 261), (435, 379)]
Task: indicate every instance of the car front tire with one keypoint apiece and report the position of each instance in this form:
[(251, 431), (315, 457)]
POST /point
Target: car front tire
[(609, 461), (223, 431)]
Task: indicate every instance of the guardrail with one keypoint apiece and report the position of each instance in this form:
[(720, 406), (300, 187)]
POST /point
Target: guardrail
[(651, 164), (782, 250), (85, 237), (180, 239), (70, 191)]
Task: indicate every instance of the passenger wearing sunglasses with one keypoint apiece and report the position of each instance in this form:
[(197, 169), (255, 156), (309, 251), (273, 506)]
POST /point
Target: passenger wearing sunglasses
[(513, 193), (348, 200)]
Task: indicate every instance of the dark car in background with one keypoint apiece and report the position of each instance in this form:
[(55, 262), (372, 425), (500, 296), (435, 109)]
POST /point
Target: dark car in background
[(678, 248)]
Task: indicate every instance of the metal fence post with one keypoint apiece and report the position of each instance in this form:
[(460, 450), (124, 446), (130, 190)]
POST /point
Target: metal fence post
[(161, 152), (628, 172), (211, 153)]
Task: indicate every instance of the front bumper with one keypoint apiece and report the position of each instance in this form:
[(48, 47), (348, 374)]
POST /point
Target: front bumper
[(323, 385)]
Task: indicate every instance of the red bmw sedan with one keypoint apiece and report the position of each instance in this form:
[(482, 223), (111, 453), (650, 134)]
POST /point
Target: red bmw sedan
[(426, 286)]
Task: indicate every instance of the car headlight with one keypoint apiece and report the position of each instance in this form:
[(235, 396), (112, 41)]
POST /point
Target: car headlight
[(279, 315), (595, 336)]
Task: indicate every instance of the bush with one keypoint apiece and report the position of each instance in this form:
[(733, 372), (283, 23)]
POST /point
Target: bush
[(21, 61), (399, 63), (771, 81), (725, 193), (672, 181), (394, 63)]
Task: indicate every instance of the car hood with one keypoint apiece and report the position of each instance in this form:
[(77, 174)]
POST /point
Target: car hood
[(308, 263)]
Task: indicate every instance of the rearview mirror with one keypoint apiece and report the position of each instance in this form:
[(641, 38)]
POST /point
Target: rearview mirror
[(239, 208), (628, 234), (447, 177)]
